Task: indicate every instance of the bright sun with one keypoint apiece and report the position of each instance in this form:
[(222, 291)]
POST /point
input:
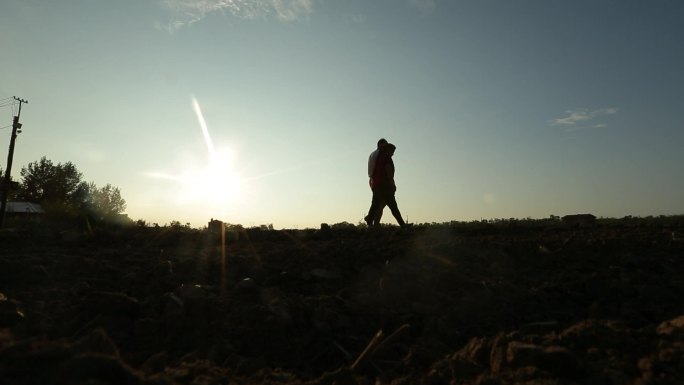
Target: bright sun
[(215, 182)]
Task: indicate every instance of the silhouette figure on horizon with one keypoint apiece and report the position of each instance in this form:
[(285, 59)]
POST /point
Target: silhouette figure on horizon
[(383, 186), (372, 158)]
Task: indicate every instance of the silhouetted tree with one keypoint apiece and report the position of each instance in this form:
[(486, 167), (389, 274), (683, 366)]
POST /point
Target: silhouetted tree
[(103, 202), (56, 187), (61, 192)]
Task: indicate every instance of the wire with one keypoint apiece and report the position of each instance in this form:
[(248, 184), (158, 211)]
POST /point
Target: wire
[(10, 102), (7, 102)]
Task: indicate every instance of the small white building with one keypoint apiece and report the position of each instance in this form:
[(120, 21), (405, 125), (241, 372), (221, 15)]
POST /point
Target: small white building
[(17, 208), (23, 212)]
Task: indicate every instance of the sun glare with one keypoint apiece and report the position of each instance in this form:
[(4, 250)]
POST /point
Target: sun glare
[(215, 183), (212, 181)]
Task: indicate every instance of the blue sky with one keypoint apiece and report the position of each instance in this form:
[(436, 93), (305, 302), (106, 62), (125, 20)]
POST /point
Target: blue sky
[(498, 109)]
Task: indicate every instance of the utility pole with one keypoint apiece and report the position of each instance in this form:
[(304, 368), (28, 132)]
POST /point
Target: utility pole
[(16, 129)]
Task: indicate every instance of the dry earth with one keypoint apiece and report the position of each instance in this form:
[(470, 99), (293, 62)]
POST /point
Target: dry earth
[(440, 304)]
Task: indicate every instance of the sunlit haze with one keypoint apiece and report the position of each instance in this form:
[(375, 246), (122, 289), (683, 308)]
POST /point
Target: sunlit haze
[(264, 112)]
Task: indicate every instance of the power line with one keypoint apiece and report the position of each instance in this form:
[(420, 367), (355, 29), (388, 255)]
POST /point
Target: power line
[(4, 102)]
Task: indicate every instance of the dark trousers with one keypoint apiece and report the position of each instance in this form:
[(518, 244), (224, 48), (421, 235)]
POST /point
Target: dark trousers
[(384, 197)]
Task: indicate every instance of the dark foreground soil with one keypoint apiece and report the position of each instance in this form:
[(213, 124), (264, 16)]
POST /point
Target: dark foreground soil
[(434, 305)]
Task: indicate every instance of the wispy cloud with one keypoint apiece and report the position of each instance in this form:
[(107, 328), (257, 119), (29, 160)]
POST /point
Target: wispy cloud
[(292, 10), (425, 7), (187, 12), (583, 118)]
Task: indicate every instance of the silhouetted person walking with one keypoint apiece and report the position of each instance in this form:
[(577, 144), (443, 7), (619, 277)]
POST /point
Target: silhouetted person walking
[(384, 187), (372, 158)]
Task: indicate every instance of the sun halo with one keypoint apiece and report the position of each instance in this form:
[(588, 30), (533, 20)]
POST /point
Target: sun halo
[(216, 183), (212, 181)]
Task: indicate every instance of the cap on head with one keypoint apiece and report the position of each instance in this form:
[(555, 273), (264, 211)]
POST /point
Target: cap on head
[(382, 142)]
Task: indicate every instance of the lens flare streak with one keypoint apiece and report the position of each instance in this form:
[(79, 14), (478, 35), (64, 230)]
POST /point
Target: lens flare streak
[(215, 183), (205, 130)]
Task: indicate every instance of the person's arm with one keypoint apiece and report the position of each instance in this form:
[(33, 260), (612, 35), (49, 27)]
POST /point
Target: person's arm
[(389, 169), (371, 164)]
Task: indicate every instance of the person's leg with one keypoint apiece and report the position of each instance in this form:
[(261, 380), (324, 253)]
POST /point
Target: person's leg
[(392, 204), (375, 211), (371, 213), (378, 212)]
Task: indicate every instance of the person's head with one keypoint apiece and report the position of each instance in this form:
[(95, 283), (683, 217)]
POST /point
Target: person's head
[(382, 142), (388, 149)]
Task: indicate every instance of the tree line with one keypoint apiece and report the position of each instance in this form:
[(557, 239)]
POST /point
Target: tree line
[(62, 192)]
